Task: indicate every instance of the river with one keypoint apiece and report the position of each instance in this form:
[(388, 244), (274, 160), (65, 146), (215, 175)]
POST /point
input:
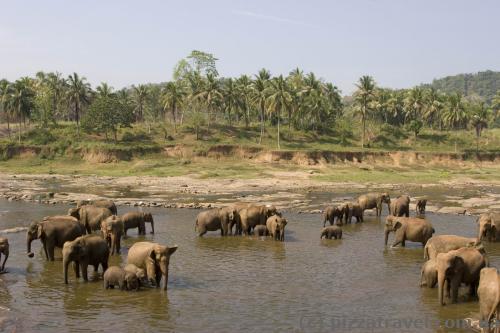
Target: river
[(235, 283)]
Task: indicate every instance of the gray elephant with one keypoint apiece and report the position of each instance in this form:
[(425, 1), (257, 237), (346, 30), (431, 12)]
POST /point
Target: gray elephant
[(260, 230), (103, 203), (428, 274), (84, 251), (53, 232), (139, 272), (332, 212), (112, 231), (408, 228), (254, 215), (489, 297), (489, 226), (456, 267), (353, 209), (153, 258), (137, 220), (276, 227), (126, 280), (332, 231), (374, 200), (90, 217), (445, 243), (420, 206), (400, 206), (4, 249), (215, 219)]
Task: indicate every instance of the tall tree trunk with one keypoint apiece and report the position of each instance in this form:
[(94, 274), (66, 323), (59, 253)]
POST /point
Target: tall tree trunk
[(8, 125), (77, 118), (279, 147), (173, 116), (261, 123), (363, 134)]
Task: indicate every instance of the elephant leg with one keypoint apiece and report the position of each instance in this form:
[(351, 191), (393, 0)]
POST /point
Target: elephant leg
[(4, 260), (44, 244), (96, 267), (50, 250), (84, 267), (455, 284), (158, 278), (121, 284), (106, 284)]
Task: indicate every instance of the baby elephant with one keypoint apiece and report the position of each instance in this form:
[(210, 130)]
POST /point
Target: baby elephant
[(332, 232), (139, 272), (126, 280), (276, 227), (260, 230), (429, 274), (420, 207), (4, 249)]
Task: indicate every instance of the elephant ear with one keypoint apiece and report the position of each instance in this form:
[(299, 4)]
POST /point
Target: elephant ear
[(397, 225), (171, 250), (40, 231), (284, 222)]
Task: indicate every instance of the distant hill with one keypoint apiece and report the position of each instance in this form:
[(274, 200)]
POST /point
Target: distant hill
[(484, 84)]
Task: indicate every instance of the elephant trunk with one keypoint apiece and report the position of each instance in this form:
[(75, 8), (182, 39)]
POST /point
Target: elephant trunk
[(386, 238), (66, 262), (6, 253), (152, 227), (29, 239), (164, 272), (441, 281), (482, 233)]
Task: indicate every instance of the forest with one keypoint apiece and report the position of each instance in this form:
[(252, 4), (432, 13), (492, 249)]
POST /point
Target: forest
[(199, 101)]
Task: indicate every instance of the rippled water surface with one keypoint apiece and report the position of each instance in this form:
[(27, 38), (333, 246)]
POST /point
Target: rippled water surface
[(234, 283)]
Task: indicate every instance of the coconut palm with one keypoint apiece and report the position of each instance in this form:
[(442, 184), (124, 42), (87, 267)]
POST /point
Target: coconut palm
[(260, 94), (104, 90), (5, 93), (296, 84), (479, 119), (454, 113), (244, 89), (433, 106), (173, 97), (279, 100), (363, 97), (211, 95), (21, 100), (140, 94), (78, 95), (230, 96)]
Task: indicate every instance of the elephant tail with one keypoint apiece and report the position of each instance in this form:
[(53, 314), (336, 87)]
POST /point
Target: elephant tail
[(493, 311), (426, 253)]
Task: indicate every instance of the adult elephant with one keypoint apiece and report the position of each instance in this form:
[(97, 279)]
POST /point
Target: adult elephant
[(400, 206), (4, 249), (84, 251), (374, 200), (112, 231), (445, 243), (428, 274), (408, 228), (103, 203), (239, 206), (489, 226), (53, 232), (138, 220), (489, 295), (457, 267), (153, 258), (332, 212), (254, 215), (90, 217), (353, 209), (215, 219), (276, 227)]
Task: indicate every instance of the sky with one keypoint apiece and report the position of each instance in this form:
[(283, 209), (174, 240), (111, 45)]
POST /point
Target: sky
[(400, 43)]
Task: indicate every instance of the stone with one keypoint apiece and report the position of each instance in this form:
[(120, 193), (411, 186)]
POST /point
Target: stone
[(452, 210)]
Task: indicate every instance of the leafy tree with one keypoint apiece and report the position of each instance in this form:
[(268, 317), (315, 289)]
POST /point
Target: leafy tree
[(363, 97), (454, 113), (139, 96), (414, 104), (278, 100), (244, 90), (78, 95), (104, 90), (479, 119), (203, 63), (5, 107), (210, 95), (22, 100), (173, 97)]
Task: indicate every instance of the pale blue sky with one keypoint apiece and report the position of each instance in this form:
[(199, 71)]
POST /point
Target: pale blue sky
[(400, 42)]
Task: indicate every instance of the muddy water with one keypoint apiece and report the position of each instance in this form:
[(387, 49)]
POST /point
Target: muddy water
[(236, 284)]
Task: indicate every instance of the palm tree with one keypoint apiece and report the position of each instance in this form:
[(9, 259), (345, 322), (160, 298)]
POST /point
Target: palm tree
[(260, 94), (495, 105), (244, 89), (455, 114), (414, 103), (21, 100), (230, 97), (104, 90), (296, 84), (363, 97), (433, 106), (139, 97), (211, 95), (479, 120), (5, 93), (78, 95), (279, 99), (173, 96)]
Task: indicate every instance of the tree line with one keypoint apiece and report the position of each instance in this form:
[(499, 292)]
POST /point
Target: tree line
[(197, 97)]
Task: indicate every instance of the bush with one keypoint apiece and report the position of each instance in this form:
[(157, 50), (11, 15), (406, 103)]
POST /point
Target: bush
[(39, 136), (136, 137)]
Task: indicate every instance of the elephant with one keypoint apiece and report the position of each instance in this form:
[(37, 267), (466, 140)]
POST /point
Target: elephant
[(400, 206), (489, 297), (353, 209), (332, 212), (260, 230), (112, 231), (457, 267), (489, 226), (239, 206), (153, 258), (445, 243), (84, 251), (420, 207), (276, 227), (53, 232), (254, 215), (428, 274), (374, 200), (103, 203), (408, 228), (4, 249), (137, 220), (139, 272), (215, 219), (126, 280), (332, 231), (90, 217)]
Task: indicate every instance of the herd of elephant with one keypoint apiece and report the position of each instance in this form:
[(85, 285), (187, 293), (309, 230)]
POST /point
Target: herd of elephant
[(450, 260)]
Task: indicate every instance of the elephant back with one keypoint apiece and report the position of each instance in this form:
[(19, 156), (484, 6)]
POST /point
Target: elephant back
[(139, 252)]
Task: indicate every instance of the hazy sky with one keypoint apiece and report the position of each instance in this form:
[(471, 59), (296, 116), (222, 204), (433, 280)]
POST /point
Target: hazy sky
[(401, 42)]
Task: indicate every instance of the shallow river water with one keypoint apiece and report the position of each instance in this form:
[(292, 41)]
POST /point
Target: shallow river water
[(236, 284)]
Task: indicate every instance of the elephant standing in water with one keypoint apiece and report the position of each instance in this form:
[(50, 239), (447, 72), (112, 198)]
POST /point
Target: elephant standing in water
[(353, 209), (260, 230), (137, 220), (408, 228), (332, 231), (254, 215), (53, 232), (489, 296), (153, 258), (84, 251), (215, 219), (90, 217), (276, 227), (400, 206), (4, 249), (126, 280), (489, 226), (332, 212), (112, 231), (420, 207), (374, 200), (429, 274), (445, 243), (103, 203), (457, 267)]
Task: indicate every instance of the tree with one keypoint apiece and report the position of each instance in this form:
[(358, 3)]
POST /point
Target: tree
[(78, 95), (433, 107), (5, 93), (279, 99), (21, 100), (363, 97), (173, 97), (104, 90), (479, 120), (203, 63), (244, 92), (139, 96), (260, 94), (296, 83), (414, 103), (454, 113), (495, 105), (210, 95)]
